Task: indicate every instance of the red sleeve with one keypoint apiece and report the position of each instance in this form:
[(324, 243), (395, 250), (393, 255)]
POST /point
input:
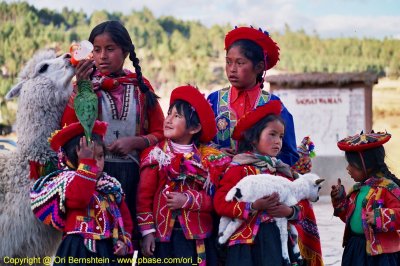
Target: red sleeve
[(81, 189), (147, 189), (232, 209), (69, 115), (388, 217), (126, 217), (198, 201)]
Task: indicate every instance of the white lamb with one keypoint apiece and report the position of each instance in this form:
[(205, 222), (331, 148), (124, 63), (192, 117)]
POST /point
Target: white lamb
[(43, 89), (254, 187)]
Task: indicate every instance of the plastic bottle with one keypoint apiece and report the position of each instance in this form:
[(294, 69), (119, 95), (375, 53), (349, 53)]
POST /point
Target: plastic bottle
[(80, 51)]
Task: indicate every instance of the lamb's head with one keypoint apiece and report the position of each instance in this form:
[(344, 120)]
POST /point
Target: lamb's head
[(310, 185), (43, 91)]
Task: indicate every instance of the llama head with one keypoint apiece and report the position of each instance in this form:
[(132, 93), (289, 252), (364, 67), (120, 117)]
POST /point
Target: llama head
[(312, 186), (43, 90)]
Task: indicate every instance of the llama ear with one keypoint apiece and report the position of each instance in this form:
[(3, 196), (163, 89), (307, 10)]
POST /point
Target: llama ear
[(14, 91), (319, 181)]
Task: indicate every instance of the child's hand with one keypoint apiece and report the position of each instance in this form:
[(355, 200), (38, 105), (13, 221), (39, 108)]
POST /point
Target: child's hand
[(370, 218), (228, 151), (84, 69), (280, 210), (85, 151), (121, 249), (148, 245), (176, 200), (337, 190), (266, 202)]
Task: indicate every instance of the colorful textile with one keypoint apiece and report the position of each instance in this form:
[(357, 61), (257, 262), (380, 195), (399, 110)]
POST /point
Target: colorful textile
[(383, 199), (226, 118)]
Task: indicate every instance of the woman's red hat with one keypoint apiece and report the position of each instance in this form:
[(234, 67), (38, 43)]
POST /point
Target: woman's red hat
[(364, 141), (255, 115), (202, 107), (60, 137), (270, 48)]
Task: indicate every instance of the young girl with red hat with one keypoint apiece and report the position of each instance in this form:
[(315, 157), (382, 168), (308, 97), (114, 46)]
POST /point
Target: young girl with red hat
[(177, 182), (257, 241), (98, 222), (249, 54), (371, 210), (126, 101)]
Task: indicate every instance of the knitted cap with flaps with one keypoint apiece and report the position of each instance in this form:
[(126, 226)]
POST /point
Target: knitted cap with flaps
[(306, 152)]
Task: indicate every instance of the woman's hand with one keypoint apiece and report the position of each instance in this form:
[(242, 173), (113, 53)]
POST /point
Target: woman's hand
[(84, 69), (125, 145), (266, 202), (121, 249), (370, 218), (148, 245), (176, 200), (85, 150), (228, 151)]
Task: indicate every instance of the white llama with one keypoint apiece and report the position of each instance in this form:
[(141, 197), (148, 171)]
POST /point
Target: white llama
[(43, 89), (254, 187)]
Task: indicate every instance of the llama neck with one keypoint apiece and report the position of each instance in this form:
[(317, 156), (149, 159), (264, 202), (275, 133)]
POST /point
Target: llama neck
[(34, 127)]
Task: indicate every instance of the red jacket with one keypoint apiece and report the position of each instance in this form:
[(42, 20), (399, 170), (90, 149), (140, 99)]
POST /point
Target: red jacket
[(195, 217), (383, 199), (87, 209)]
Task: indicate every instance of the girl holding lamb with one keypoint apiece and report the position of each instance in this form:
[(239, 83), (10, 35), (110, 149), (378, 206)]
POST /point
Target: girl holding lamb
[(257, 241), (371, 209), (177, 182)]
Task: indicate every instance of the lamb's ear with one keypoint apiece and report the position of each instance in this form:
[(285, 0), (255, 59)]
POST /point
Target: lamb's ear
[(319, 181), (238, 194), (14, 91)]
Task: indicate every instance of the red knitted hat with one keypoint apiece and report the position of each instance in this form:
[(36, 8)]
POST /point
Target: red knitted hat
[(60, 137), (364, 141), (255, 115), (270, 48), (203, 109)]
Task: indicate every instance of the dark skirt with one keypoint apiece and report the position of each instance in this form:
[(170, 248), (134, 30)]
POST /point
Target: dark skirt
[(355, 254), (72, 251), (266, 250), (128, 175), (180, 247)]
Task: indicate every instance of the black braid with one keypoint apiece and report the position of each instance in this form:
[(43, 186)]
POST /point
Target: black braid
[(389, 175), (260, 79), (151, 97)]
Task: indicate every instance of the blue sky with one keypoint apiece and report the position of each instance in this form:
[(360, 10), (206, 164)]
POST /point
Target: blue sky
[(329, 18)]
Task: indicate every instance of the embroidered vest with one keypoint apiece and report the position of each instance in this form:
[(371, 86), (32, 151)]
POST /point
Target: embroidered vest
[(120, 125), (226, 119)]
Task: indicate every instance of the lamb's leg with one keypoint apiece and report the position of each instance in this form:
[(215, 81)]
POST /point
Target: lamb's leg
[(229, 230), (223, 223), (296, 249), (283, 231)]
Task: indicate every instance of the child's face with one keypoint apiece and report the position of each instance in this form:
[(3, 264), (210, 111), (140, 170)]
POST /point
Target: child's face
[(175, 128), (240, 71), (107, 55), (355, 173), (99, 157), (270, 142)]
